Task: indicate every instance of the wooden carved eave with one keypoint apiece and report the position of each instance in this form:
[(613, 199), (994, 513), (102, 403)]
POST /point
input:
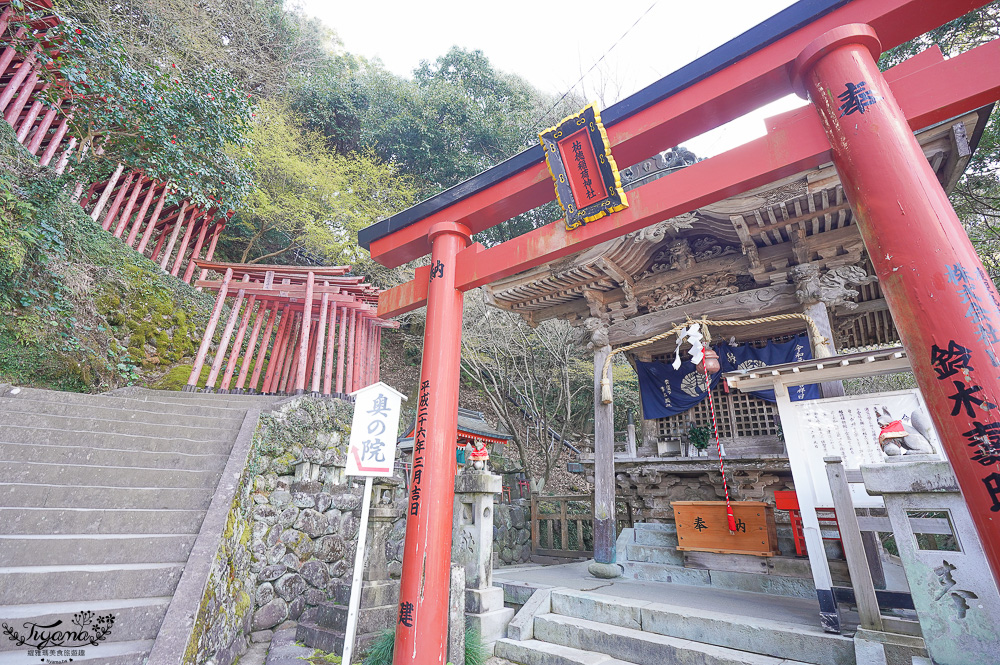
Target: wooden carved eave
[(748, 241)]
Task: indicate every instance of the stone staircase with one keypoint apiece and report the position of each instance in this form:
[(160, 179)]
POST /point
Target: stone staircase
[(101, 500), (649, 552), (581, 628)]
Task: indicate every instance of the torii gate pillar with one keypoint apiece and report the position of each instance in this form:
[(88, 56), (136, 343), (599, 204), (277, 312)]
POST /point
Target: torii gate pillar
[(945, 308), (422, 619)]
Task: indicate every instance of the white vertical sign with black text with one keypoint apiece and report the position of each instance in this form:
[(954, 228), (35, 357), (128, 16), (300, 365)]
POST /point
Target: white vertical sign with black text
[(371, 452)]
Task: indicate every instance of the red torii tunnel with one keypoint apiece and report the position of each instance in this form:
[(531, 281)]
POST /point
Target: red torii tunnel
[(39, 125), (174, 236), (290, 330), (818, 48)]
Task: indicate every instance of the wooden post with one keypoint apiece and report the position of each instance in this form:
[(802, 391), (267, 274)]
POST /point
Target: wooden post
[(26, 74), (53, 146), (330, 344), (321, 327), (29, 118), (237, 345), (106, 194), (241, 380), (605, 559), (291, 357), (196, 214), (43, 129), (265, 346), (127, 212), (206, 221), (173, 236), (345, 314), (8, 53), (630, 434), (155, 217), (349, 386), (854, 548), (140, 216), (5, 21), (378, 354), (227, 333), (216, 232), (206, 339), (122, 191), (303, 359), (276, 350), (159, 245)]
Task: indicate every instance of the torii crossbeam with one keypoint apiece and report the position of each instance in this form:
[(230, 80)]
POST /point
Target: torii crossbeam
[(947, 312)]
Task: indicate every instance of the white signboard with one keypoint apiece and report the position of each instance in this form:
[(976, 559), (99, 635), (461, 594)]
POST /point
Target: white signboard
[(372, 449), (847, 427)]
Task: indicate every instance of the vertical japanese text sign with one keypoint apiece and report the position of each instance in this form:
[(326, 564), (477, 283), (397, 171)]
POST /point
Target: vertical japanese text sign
[(372, 449)]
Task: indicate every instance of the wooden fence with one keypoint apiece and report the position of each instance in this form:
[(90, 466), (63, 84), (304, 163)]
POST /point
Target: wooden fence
[(563, 526)]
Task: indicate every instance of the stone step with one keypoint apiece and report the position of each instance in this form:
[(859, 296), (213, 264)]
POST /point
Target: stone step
[(111, 410), (40, 521), (213, 409), (640, 647), (52, 584), (38, 495), (658, 535), (135, 619), (44, 453), (105, 653), (654, 554), (112, 476), (71, 549), (179, 430), (223, 400), (800, 642), (39, 435), (774, 584), (536, 652)]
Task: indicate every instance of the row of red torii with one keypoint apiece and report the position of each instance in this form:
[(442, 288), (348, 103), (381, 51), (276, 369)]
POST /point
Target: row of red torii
[(290, 330), (129, 204)]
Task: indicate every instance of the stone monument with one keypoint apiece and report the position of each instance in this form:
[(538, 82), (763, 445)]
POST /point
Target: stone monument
[(472, 547), (953, 590)]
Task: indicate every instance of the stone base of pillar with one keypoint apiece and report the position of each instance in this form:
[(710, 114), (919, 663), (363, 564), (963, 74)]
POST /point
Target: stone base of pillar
[(605, 571), (325, 626), (879, 648), (485, 613)]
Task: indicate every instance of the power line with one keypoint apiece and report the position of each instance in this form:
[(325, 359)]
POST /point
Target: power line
[(592, 67)]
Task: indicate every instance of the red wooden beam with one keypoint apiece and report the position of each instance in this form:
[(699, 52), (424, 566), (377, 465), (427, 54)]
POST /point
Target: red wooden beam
[(757, 79), (796, 142)]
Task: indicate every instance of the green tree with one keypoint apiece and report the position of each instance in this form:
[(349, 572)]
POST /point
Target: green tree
[(307, 197)]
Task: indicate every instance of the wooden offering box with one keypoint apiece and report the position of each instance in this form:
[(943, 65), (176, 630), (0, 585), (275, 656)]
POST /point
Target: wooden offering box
[(702, 526)]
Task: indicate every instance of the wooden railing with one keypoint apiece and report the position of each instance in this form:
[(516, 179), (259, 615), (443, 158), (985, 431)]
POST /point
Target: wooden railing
[(563, 526)]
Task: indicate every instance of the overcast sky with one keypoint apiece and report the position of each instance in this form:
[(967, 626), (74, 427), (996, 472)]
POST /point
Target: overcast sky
[(551, 44)]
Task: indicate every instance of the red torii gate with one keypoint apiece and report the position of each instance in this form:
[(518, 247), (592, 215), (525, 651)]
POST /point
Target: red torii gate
[(326, 335), (912, 234)]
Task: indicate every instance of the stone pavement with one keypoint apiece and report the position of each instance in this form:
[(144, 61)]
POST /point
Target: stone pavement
[(282, 649), (575, 576)]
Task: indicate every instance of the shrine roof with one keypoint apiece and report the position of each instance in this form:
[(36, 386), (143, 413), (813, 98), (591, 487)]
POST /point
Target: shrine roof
[(471, 424), (763, 34)]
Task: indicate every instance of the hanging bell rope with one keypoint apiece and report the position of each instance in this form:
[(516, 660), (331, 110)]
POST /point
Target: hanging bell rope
[(820, 349)]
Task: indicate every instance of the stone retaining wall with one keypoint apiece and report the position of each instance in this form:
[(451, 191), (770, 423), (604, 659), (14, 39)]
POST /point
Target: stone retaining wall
[(292, 532), (512, 532)]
